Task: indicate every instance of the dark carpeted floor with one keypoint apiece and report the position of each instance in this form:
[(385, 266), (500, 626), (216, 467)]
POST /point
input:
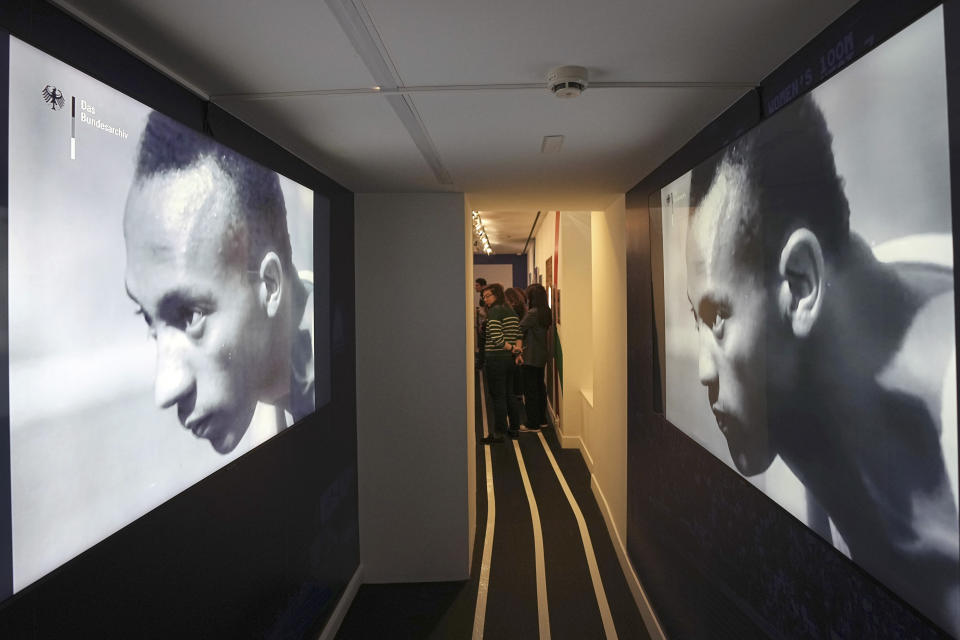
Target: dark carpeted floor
[(446, 609)]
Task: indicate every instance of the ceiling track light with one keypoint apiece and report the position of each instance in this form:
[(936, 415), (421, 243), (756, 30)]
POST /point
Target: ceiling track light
[(481, 239)]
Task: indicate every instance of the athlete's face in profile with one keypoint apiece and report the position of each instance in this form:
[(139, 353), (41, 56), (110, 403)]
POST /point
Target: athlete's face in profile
[(729, 304), (186, 269)]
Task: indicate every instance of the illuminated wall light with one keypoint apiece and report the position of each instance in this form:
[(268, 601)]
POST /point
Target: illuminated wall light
[(481, 233)]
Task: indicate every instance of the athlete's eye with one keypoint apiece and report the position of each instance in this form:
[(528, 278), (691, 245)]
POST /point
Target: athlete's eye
[(718, 320), (712, 315), (191, 320)]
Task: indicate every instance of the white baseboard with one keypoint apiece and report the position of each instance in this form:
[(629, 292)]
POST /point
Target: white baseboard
[(585, 452), (568, 442), (343, 605), (650, 620)]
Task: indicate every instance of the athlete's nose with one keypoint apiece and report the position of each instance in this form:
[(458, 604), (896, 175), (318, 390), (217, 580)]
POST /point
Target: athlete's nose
[(707, 365), (174, 379)]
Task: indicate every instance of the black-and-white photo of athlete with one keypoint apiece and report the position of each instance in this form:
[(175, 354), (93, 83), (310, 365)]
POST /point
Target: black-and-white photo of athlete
[(209, 265), (813, 349)]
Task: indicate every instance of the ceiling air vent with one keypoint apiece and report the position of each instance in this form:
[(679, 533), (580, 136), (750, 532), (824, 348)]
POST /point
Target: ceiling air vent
[(551, 144)]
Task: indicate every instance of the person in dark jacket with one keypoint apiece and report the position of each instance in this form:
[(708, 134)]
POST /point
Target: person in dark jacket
[(533, 358)]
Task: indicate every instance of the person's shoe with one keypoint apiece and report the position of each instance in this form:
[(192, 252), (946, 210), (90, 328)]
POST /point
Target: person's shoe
[(514, 433), (491, 439), (527, 429)]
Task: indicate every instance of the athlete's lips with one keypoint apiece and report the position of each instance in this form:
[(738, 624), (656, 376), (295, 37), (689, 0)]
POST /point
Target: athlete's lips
[(198, 426)]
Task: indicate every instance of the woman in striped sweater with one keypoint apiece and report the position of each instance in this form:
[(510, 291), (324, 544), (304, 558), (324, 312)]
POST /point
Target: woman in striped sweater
[(503, 333)]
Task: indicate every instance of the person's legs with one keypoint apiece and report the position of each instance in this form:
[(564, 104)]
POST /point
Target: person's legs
[(496, 374), (512, 403), (522, 417), (481, 345), (541, 390), (531, 397)]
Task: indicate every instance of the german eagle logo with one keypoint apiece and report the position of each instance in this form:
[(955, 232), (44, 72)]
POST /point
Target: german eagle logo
[(53, 96)]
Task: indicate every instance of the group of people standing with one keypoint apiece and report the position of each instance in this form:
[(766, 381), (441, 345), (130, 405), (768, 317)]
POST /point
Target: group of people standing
[(514, 344)]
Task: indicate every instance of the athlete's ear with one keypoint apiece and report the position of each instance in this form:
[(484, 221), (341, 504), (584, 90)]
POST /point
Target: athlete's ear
[(800, 288), (270, 287)]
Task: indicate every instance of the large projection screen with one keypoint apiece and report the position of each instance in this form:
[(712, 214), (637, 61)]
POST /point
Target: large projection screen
[(817, 362), (144, 353)]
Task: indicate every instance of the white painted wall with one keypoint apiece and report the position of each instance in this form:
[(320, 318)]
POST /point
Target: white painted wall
[(544, 239), (470, 302), (606, 440), (576, 323), (544, 248), (414, 411), (605, 436), (541, 246)]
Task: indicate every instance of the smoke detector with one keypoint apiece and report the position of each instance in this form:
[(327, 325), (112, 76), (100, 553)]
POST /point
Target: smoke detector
[(567, 81)]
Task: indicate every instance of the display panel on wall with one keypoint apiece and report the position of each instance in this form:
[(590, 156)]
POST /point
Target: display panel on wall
[(809, 315), (161, 309)]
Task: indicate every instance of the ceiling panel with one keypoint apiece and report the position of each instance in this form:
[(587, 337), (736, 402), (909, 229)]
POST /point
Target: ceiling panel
[(613, 138), (505, 41), (241, 46), (355, 139)]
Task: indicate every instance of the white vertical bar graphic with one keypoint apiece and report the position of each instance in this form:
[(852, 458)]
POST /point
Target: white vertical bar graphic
[(605, 615), (480, 615), (73, 127), (543, 613)]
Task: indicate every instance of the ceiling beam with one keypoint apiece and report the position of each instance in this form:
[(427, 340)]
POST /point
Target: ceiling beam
[(359, 28)]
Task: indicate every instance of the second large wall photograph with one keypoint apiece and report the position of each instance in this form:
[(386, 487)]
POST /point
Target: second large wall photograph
[(808, 315)]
